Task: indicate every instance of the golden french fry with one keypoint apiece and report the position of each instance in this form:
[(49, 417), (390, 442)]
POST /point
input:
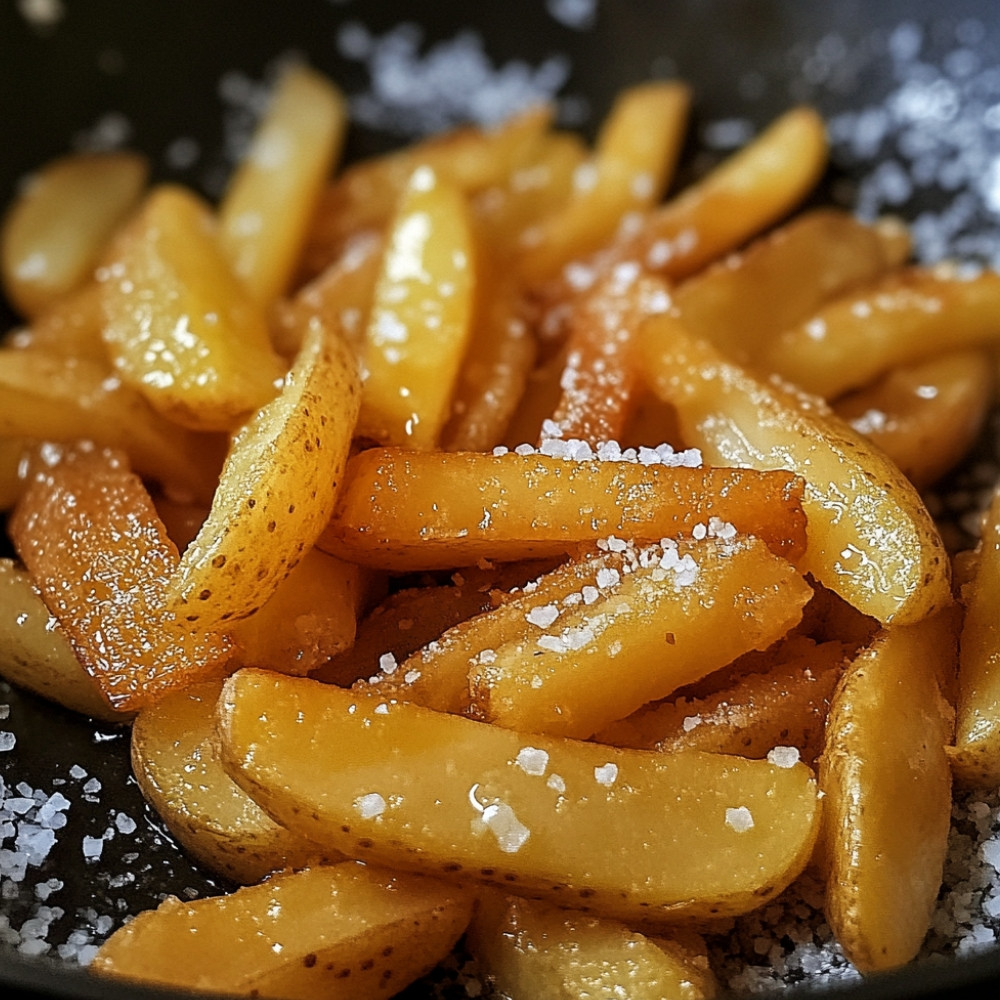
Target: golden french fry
[(633, 162), (177, 766), (697, 835), (975, 760), (340, 932), (276, 491), (885, 759), (179, 325), (421, 317), (36, 653), (908, 316), (871, 539), (44, 396), (670, 616), (266, 211), (742, 303), (925, 416), (786, 706), (393, 513), (528, 949), (88, 533), (53, 235), (70, 327)]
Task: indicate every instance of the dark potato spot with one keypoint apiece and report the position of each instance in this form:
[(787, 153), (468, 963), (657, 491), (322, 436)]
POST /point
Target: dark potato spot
[(218, 562), (368, 963), (204, 595), (271, 525), (309, 961)]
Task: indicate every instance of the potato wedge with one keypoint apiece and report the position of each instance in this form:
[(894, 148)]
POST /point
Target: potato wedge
[(342, 932), (887, 787), (671, 615), (908, 316), (276, 491), (267, 208), (53, 235), (975, 759), (529, 949), (421, 317), (695, 834), (89, 535), (925, 416), (176, 763), (35, 653), (871, 539), (179, 326), (393, 513)]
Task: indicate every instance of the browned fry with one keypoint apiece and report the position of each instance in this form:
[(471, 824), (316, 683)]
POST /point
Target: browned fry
[(88, 533), (402, 510), (786, 707)]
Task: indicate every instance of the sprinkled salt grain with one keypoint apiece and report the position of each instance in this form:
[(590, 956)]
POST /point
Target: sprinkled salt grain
[(369, 806), (608, 577), (511, 834), (590, 594), (77, 772), (7, 741), (93, 847), (556, 783), (543, 617), (577, 14), (990, 853), (124, 823), (4, 712), (552, 644), (783, 756), (387, 663), (532, 761), (606, 774), (739, 819), (691, 722)]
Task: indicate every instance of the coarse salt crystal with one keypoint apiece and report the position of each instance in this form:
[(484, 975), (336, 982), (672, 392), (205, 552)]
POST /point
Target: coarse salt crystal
[(532, 761), (739, 819), (606, 774), (370, 805), (783, 756)]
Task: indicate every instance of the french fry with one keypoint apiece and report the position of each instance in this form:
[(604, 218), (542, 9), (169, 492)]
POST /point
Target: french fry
[(88, 533), (179, 325), (53, 235), (925, 416), (342, 932), (743, 302), (697, 835), (528, 949), (177, 766), (12, 451), (391, 511), (885, 759), (36, 653), (70, 327), (633, 162), (786, 706), (669, 617), (975, 759), (908, 316), (871, 539), (267, 208), (276, 490)]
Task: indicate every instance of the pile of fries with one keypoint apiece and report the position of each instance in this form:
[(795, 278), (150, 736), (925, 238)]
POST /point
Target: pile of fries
[(480, 544)]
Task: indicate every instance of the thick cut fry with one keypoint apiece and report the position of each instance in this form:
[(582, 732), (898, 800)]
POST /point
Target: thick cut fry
[(396, 512), (88, 533), (267, 208), (45, 396), (740, 198), (696, 834), (527, 949), (310, 617), (179, 326), (925, 416), (421, 317), (871, 539), (367, 194), (784, 707), (670, 617), (343, 932), (887, 787), (976, 757), (69, 328), (276, 491), (633, 162), (35, 653), (907, 317), (741, 304), (54, 233), (176, 763)]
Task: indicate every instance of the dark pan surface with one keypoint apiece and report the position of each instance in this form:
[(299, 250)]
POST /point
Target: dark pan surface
[(901, 83)]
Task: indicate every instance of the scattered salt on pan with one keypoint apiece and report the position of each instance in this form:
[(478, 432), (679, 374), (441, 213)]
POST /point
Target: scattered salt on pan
[(93, 847), (370, 805), (532, 760), (739, 819), (783, 756), (606, 774), (7, 741)]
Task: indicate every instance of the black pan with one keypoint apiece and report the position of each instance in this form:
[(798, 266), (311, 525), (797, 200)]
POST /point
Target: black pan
[(902, 82)]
